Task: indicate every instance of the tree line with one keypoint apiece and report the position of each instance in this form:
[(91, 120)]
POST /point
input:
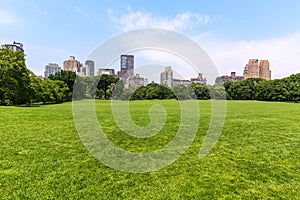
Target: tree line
[(285, 89), (18, 85)]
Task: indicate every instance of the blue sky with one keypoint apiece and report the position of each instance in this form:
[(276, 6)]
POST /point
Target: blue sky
[(230, 31)]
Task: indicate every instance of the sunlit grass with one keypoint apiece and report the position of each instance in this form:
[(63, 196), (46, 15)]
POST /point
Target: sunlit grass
[(257, 155)]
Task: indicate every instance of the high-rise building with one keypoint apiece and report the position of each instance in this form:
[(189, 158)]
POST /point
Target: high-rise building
[(133, 82), (89, 68), (166, 77), (16, 46), (253, 68), (72, 65), (127, 66), (51, 68), (257, 69), (264, 70)]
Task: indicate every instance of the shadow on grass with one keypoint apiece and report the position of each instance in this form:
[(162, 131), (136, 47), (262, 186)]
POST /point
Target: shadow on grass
[(37, 105)]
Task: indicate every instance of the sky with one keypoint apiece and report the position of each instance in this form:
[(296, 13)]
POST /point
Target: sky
[(230, 32)]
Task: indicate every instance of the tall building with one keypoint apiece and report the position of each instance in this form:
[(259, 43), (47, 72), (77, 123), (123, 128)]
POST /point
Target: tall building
[(133, 82), (127, 66), (51, 68), (257, 69), (72, 65), (166, 77), (264, 70), (89, 68), (16, 46)]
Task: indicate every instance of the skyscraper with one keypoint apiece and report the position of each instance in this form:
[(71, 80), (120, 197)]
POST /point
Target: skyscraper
[(166, 77), (51, 68), (127, 66), (72, 65), (257, 69), (89, 68), (133, 82), (264, 70)]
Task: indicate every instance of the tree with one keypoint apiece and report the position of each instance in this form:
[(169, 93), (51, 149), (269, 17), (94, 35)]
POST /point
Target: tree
[(152, 91), (68, 77), (263, 91), (36, 88), (201, 90), (14, 78), (46, 94), (242, 90), (91, 86), (106, 82), (217, 91), (183, 92), (52, 91), (119, 90)]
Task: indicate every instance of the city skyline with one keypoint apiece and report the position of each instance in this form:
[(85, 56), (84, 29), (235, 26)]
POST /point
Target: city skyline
[(254, 69), (230, 32)]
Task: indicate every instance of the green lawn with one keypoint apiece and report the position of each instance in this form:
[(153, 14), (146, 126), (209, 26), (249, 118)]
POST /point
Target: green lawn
[(256, 157)]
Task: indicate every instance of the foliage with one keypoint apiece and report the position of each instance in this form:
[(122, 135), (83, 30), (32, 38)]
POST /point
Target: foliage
[(184, 92), (286, 89), (201, 91), (152, 91), (106, 84), (18, 85), (217, 91), (68, 77), (14, 78), (242, 90)]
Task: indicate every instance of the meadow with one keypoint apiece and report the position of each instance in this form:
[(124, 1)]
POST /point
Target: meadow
[(256, 157)]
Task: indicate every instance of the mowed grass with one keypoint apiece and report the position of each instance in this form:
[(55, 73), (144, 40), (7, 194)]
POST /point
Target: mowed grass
[(256, 157)]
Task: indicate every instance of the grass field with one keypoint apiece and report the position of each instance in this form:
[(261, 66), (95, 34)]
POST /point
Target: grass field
[(256, 157)]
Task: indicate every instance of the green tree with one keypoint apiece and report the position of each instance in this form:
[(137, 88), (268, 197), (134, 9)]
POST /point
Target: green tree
[(36, 88), (53, 91), (152, 91), (263, 91), (14, 78), (68, 77), (46, 94), (183, 92), (106, 82), (217, 91), (91, 86), (201, 90), (118, 90), (242, 90)]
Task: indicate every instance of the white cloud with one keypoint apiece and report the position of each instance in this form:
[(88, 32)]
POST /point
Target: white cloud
[(283, 54), (38, 10), (6, 18), (81, 13), (142, 19)]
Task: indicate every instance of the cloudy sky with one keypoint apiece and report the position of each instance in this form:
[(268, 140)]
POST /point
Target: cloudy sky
[(230, 31)]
